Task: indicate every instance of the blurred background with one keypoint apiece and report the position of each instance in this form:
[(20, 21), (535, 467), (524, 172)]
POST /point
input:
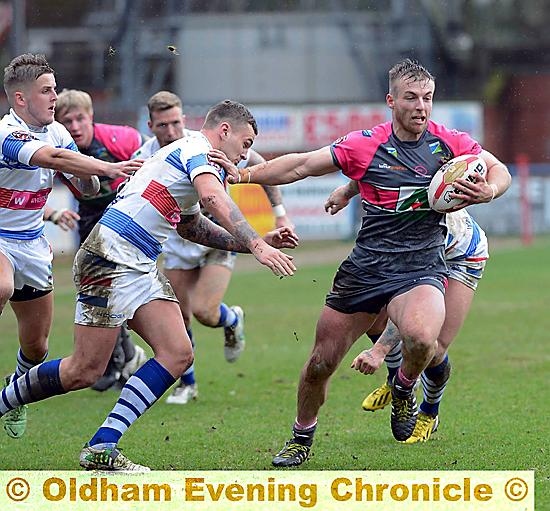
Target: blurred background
[(310, 71)]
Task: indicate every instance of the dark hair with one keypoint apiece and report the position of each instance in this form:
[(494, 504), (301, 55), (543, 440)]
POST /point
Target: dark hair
[(409, 70), (24, 69), (232, 112)]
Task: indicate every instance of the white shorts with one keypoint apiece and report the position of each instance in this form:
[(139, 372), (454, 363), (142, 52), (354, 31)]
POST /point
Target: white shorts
[(110, 293), (31, 261), (182, 254), (468, 269)]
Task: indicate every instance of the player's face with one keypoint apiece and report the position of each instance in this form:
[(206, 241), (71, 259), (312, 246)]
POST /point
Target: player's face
[(167, 125), (411, 104), (39, 101), (80, 124), (237, 142)]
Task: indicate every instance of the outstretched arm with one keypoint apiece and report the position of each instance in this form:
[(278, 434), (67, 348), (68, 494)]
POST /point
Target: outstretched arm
[(272, 193), (282, 170), (65, 160)]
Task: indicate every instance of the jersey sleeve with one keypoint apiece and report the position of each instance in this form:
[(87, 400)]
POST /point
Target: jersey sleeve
[(19, 145), (354, 152)]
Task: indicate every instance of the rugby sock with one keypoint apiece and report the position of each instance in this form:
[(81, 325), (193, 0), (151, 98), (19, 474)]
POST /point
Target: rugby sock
[(393, 361), (402, 381), (228, 318), (303, 435), (434, 381), (188, 377), (39, 382), (139, 393), (24, 364)]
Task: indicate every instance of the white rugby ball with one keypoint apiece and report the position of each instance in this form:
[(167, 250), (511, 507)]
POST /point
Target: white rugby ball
[(442, 184)]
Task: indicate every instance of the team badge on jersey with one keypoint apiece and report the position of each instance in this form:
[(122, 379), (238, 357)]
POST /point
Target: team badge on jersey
[(23, 136)]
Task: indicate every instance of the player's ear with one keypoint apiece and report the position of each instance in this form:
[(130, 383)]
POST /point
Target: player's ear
[(389, 100)]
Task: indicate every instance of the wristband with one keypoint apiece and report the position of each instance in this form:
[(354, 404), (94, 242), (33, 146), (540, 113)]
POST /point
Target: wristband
[(494, 187), (279, 211)]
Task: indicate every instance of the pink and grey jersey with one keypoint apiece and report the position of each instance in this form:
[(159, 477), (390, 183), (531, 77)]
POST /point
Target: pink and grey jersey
[(24, 188), (137, 223), (393, 178)]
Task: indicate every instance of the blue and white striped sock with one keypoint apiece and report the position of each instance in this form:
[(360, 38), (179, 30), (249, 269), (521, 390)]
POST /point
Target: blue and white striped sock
[(434, 381), (393, 361), (228, 318), (38, 383), (24, 364), (139, 393)]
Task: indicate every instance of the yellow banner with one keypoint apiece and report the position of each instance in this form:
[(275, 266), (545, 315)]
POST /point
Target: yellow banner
[(269, 491)]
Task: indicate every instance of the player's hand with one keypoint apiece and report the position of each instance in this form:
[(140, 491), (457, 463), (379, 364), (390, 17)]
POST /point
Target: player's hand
[(475, 191), (368, 361), (64, 218), (123, 168), (219, 157), (337, 200), (278, 262), (282, 237)]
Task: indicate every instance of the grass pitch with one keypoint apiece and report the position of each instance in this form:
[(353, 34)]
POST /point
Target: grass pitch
[(494, 415)]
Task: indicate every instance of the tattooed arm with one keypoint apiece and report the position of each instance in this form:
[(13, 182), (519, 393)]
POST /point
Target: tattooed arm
[(200, 229), (219, 204), (369, 361)]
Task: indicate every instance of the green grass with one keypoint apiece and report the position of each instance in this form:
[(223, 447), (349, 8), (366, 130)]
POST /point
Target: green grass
[(494, 415)]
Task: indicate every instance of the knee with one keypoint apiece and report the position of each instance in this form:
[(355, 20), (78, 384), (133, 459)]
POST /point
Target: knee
[(318, 368), (206, 315), (5, 295), (78, 374)]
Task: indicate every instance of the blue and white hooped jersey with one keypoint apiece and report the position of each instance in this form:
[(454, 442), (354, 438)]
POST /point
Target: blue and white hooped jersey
[(466, 240), (149, 206), (24, 188)]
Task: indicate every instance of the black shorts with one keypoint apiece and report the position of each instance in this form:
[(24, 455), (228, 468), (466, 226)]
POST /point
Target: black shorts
[(369, 292)]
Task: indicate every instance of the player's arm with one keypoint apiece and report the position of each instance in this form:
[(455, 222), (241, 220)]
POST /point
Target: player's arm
[(272, 193), (369, 361), (339, 197), (72, 162), (484, 189), (282, 170), (219, 204)]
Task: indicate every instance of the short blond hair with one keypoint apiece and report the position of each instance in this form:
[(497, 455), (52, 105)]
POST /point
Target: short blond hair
[(163, 100), (68, 99)]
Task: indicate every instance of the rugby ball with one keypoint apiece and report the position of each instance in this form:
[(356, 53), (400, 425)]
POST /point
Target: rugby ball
[(442, 183)]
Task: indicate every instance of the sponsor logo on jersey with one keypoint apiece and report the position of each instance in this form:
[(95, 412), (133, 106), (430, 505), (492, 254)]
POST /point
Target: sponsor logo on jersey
[(391, 167), (392, 151), (367, 133), (340, 140)]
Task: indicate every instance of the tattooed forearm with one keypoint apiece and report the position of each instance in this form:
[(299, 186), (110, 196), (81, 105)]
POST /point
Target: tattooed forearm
[(391, 336), (199, 229)]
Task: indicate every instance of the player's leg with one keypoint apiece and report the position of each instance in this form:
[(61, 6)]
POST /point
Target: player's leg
[(160, 324), (209, 307), (458, 299), (183, 282), (419, 314), (32, 303), (335, 334)]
